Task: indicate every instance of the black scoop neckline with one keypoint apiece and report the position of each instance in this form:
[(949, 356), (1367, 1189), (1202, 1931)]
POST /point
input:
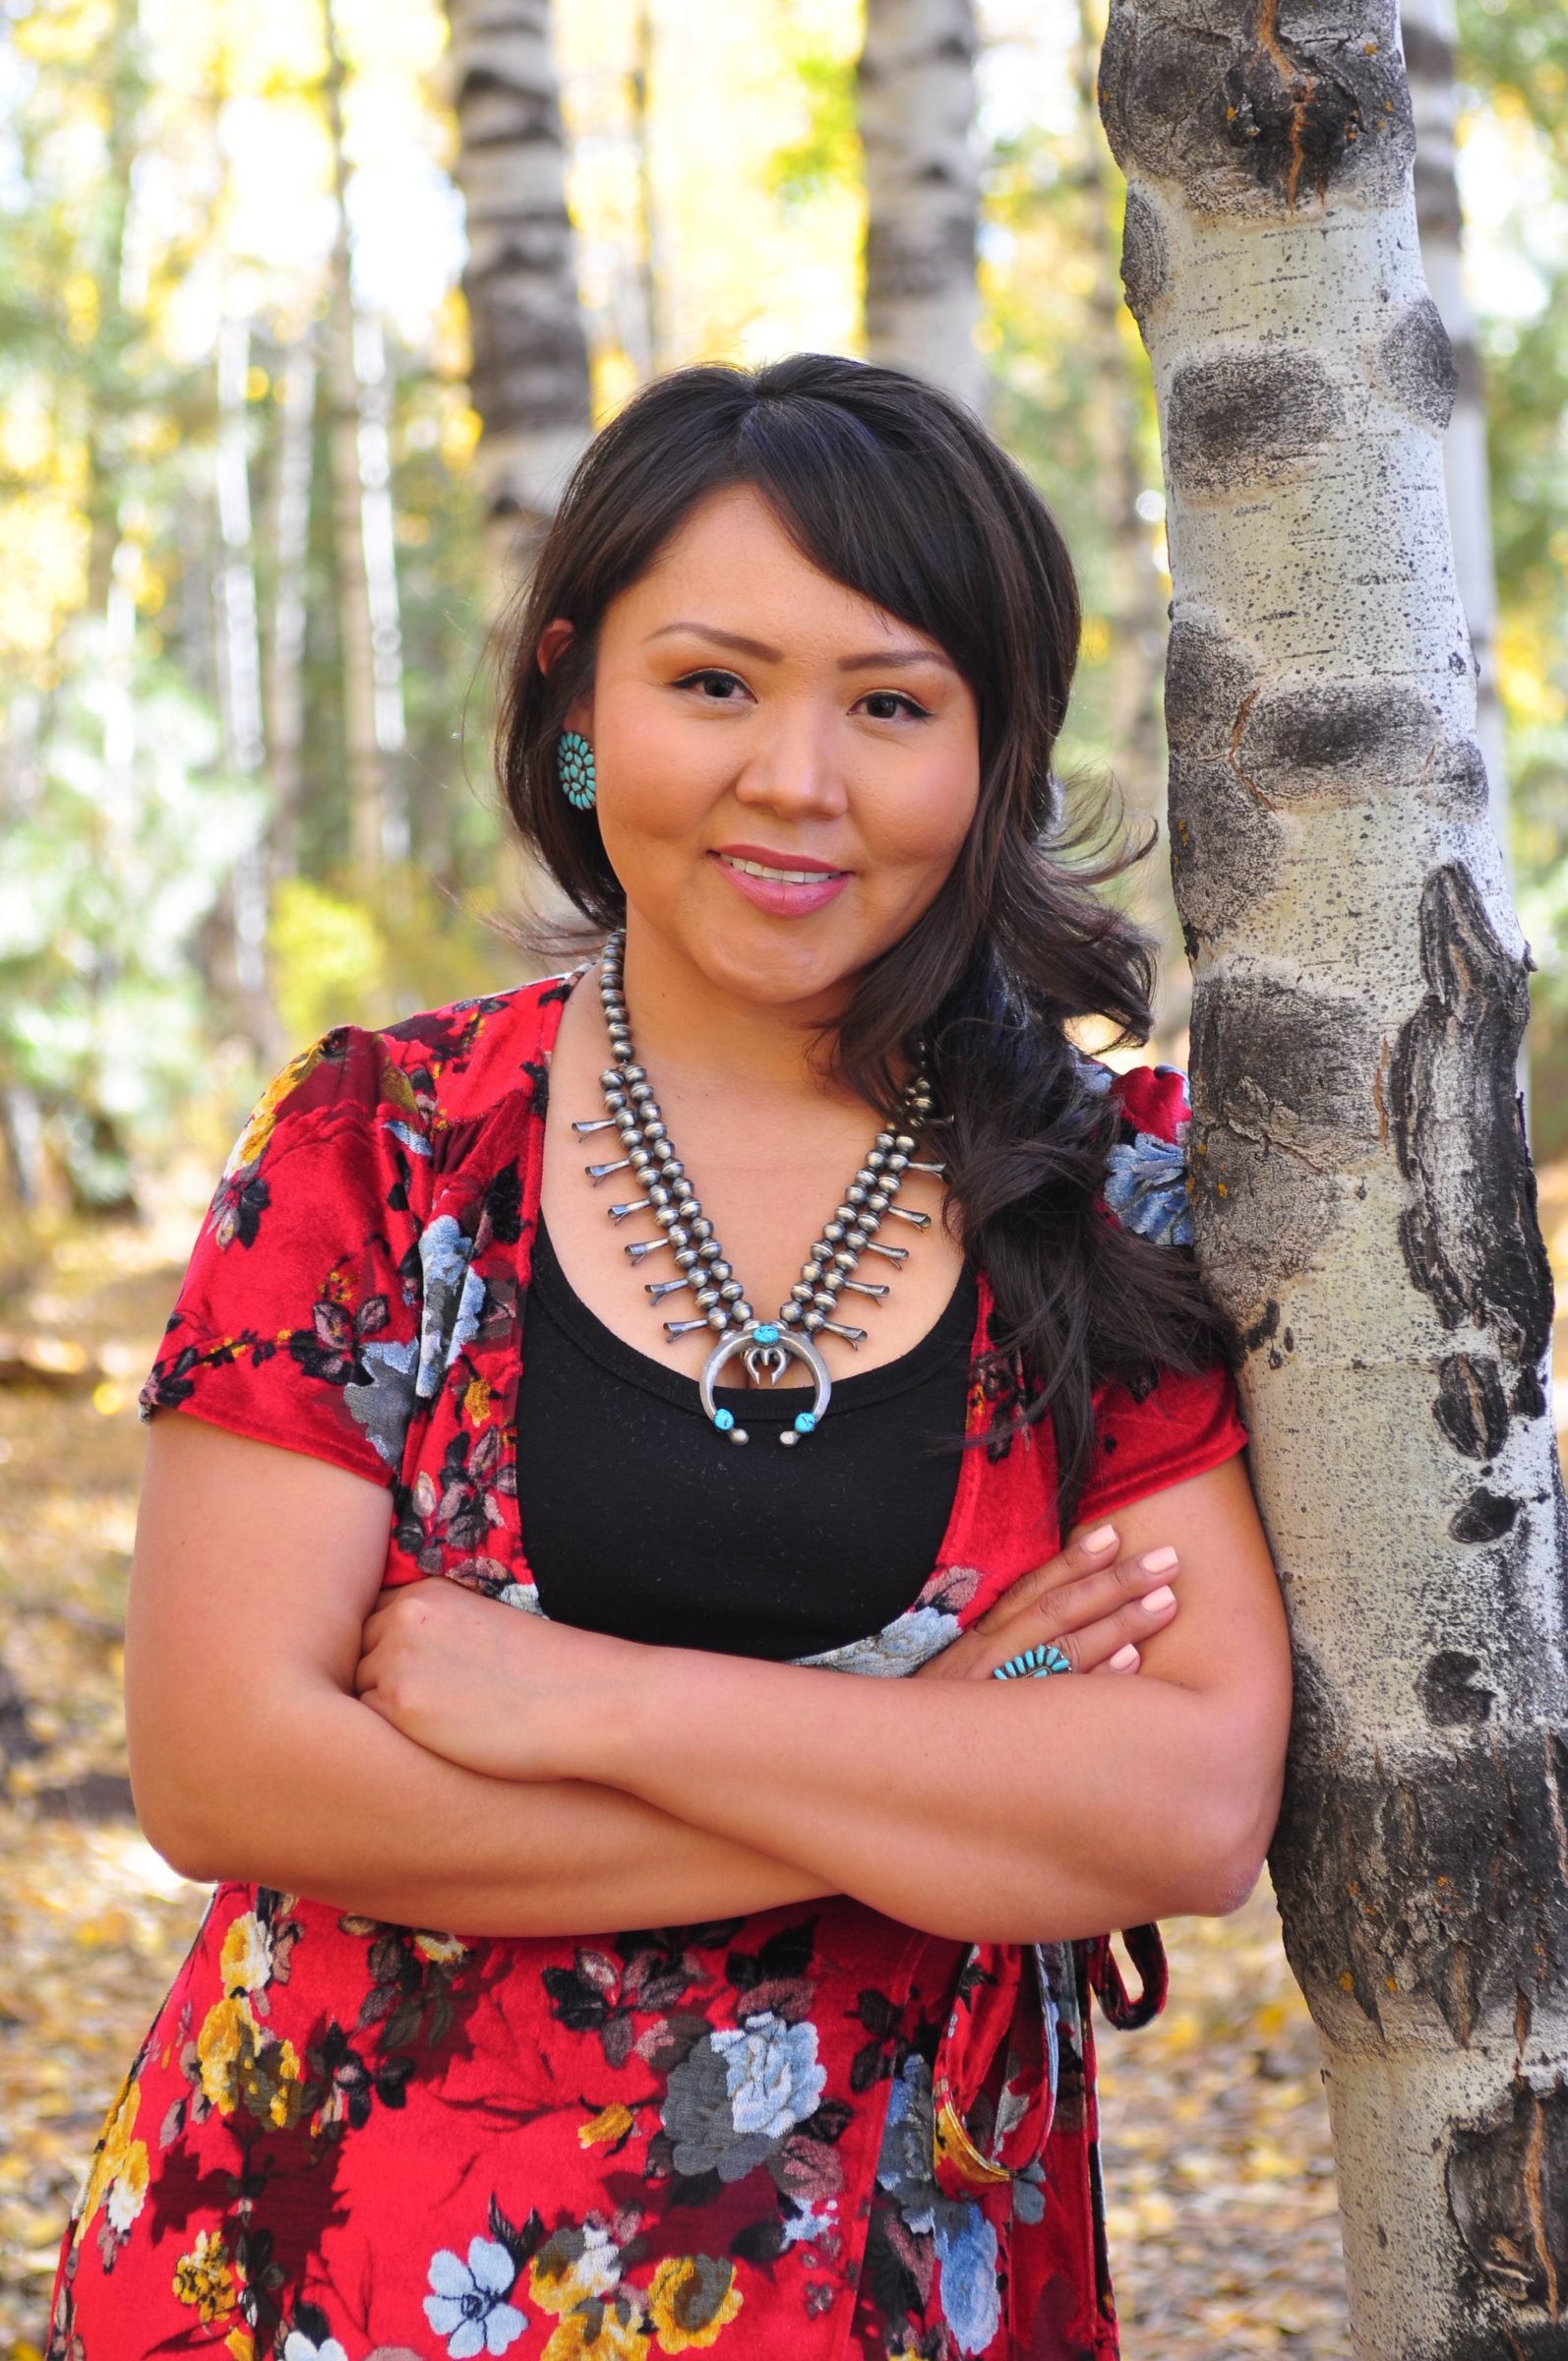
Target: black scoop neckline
[(952, 1329)]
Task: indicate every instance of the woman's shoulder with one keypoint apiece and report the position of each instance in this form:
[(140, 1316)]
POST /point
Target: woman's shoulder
[(417, 1095), (1147, 1185), (463, 1059)]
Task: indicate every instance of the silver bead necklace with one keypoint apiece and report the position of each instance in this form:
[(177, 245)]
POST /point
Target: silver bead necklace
[(765, 1347)]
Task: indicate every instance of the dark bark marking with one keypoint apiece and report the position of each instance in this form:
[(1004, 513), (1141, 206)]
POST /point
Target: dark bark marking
[(1208, 677), (493, 108), (1288, 1065), (1145, 257), (1506, 2178), (1484, 1517), (1448, 1689), (1386, 1873), (1336, 741), (1261, 106), (1471, 1238), (1472, 1409), (1454, 781), (1224, 846), (1412, 361), (1265, 1326), (1241, 419), (902, 262), (1283, 1109)]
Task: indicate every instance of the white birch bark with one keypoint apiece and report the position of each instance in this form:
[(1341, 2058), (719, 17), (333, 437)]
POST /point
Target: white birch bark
[(285, 682), (240, 664), (1428, 27), (373, 734), (1362, 1197), (379, 541), (530, 358), (650, 271), (916, 82)]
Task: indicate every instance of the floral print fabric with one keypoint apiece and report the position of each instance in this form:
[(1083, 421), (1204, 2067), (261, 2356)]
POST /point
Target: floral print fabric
[(809, 2133)]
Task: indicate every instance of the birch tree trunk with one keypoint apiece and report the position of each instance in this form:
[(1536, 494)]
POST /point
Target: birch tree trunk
[(1428, 27), (916, 82), (364, 759), (286, 667), (650, 260), (530, 356), (240, 676), (1137, 617), (1363, 1200)]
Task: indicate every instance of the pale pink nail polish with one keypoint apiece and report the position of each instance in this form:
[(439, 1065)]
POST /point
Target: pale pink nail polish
[(1102, 1538), (1158, 1601), (1123, 1660), (1157, 1561)]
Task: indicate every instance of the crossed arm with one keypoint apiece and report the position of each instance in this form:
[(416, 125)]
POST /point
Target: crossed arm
[(432, 1757)]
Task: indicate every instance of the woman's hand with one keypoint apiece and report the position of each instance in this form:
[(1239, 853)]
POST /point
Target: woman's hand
[(1092, 1603), (484, 1684)]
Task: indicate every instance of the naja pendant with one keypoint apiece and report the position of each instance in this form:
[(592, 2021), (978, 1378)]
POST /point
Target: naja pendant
[(766, 1347)]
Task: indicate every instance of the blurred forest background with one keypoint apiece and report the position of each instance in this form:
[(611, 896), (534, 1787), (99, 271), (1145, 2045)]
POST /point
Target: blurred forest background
[(244, 594), (249, 579)]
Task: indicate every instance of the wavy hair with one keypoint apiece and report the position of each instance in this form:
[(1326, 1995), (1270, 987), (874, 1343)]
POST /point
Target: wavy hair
[(893, 489)]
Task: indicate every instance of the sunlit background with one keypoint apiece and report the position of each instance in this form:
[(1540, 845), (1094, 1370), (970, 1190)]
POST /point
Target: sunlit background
[(204, 204)]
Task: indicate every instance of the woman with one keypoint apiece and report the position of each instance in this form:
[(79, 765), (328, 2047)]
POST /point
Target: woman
[(780, 724)]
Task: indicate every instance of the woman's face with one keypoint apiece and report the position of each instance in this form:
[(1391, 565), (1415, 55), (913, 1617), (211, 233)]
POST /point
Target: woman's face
[(785, 772)]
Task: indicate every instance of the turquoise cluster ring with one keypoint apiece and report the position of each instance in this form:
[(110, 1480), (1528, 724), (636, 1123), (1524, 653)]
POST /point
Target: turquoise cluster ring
[(1034, 1664)]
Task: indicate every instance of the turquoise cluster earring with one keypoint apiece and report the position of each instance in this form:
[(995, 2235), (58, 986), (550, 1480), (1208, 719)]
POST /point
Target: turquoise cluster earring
[(575, 760)]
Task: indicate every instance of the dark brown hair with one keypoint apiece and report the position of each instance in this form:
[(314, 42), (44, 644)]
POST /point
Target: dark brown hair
[(896, 491)]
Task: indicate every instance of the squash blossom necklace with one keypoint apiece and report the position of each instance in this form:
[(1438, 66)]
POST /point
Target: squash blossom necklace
[(765, 1347)]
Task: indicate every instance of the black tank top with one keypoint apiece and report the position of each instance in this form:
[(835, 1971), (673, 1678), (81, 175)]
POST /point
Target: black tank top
[(640, 1519)]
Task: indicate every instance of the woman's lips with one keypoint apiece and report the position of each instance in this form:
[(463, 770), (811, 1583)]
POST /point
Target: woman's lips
[(789, 896)]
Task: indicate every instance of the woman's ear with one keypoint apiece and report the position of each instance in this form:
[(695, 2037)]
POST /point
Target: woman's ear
[(552, 640)]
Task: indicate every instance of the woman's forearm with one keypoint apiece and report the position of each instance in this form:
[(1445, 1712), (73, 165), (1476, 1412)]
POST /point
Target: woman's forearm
[(325, 1799), (1016, 1812)]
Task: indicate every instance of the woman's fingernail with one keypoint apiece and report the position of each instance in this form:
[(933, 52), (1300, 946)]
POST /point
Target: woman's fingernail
[(1104, 1537), (1124, 1658), (1157, 1561), (1158, 1601)]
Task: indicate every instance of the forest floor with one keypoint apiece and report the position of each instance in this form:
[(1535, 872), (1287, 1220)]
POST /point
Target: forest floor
[(1223, 2216)]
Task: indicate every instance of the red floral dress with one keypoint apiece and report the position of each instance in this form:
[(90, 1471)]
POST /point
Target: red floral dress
[(808, 2133)]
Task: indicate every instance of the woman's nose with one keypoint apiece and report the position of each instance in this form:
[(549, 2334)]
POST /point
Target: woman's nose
[(794, 769)]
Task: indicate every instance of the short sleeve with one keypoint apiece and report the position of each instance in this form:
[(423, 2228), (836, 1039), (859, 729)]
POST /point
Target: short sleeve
[(298, 1319), (1173, 1426)]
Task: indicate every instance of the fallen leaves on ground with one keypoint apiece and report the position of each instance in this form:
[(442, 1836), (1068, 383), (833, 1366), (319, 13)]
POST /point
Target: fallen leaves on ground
[(1219, 2197)]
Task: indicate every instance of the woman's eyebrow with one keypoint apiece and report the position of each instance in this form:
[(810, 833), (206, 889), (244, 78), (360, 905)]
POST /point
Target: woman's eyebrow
[(896, 655), (708, 631), (872, 662)]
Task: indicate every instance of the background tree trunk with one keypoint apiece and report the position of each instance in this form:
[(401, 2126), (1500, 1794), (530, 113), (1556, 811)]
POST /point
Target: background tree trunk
[(240, 678), (1428, 29), (530, 356), (650, 260), (1363, 1199), (285, 675), (364, 758), (917, 105)]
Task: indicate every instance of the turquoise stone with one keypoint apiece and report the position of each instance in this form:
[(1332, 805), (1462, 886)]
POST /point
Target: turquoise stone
[(805, 1423), (724, 1419), (767, 1334)]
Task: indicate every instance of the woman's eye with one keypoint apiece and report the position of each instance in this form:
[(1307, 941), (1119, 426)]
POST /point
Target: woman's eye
[(885, 704), (719, 686)]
